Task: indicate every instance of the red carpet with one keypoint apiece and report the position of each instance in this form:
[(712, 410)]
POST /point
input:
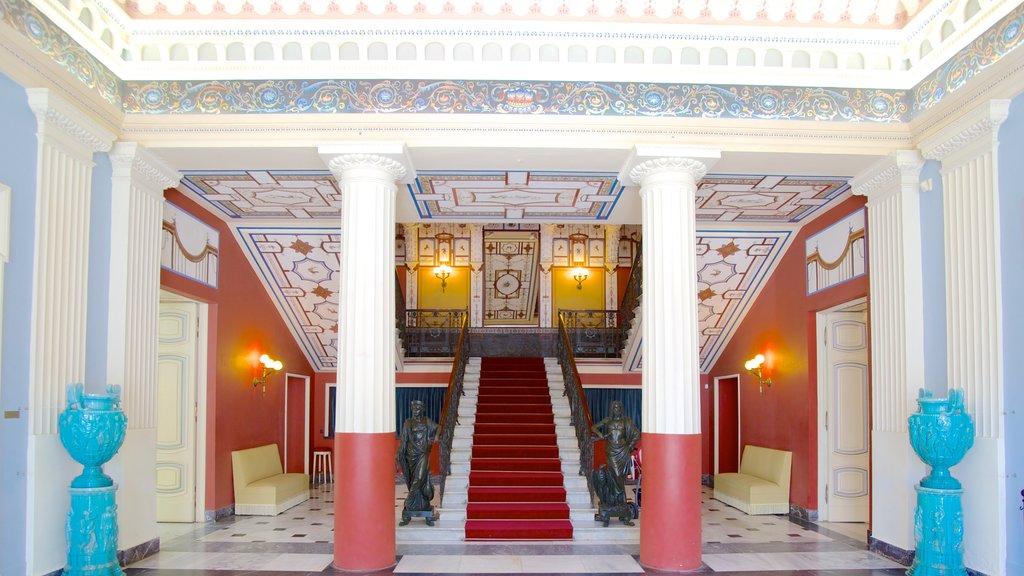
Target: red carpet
[(515, 479)]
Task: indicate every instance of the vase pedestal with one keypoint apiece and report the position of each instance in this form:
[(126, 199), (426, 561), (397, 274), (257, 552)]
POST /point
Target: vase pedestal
[(939, 530), (92, 532)]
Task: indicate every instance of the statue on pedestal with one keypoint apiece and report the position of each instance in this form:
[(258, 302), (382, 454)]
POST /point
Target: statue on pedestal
[(620, 437), (419, 432)]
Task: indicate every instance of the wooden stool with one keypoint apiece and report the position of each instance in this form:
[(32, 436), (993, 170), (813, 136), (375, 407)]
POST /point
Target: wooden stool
[(322, 466)]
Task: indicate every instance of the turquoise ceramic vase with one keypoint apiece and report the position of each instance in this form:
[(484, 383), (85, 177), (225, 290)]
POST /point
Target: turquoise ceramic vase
[(92, 429), (941, 434)]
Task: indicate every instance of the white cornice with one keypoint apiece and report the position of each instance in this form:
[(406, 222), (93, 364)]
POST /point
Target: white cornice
[(897, 171), (147, 169), (58, 119), (975, 132)]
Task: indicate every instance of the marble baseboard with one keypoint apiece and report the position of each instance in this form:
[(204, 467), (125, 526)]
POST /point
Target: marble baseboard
[(136, 553), (219, 513), (801, 513), (894, 553)]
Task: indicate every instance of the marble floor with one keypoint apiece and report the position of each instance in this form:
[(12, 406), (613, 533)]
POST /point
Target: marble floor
[(299, 542)]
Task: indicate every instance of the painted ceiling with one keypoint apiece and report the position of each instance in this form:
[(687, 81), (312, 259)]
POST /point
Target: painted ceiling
[(482, 196)]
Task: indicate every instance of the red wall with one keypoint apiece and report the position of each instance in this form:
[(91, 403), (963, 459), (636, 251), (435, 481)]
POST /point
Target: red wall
[(781, 325), (243, 324)]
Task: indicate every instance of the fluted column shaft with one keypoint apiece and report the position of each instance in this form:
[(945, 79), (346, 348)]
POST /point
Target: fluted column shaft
[(139, 180), (364, 523), (67, 140), (670, 531), (968, 149), (892, 188)]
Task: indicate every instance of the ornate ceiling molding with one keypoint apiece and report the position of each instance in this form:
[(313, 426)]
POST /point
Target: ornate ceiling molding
[(966, 136), (58, 119), (889, 175)]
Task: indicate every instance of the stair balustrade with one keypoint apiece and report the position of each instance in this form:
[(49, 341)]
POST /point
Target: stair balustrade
[(631, 297), (431, 331), (593, 333), (450, 408), (578, 409)]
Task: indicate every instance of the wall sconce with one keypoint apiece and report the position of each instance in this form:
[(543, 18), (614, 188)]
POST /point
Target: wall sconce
[(270, 367), (443, 272), (579, 274), (754, 367)]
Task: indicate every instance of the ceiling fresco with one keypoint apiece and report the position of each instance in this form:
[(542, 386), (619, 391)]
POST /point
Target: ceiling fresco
[(299, 269), (731, 269), (482, 196)]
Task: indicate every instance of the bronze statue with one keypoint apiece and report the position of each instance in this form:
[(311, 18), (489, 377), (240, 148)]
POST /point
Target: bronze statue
[(620, 437), (419, 432)]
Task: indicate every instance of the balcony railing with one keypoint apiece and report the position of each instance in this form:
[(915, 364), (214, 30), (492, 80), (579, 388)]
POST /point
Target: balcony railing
[(593, 333), (432, 332)]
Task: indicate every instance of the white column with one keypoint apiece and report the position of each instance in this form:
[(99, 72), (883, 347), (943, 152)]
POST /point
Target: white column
[(5, 253), (670, 532), (476, 279), (892, 188), (67, 140), (366, 366), (548, 316), (139, 181), (671, 379), (611, 263), (968, 149)]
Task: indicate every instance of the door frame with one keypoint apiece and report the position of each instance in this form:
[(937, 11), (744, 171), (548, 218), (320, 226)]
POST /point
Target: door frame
[(202, 367), (717, 421), (824, 397), (305, 418)]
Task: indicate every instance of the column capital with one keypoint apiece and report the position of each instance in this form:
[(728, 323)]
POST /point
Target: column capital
[(133, 160), (646, 161), (885, 177), (973, 133), (391, 158), (57, 119)]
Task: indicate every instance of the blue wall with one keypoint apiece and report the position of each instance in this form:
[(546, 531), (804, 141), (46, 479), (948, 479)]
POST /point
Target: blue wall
[(18, 147), (934, 281), (99, 274), (1011, 206)]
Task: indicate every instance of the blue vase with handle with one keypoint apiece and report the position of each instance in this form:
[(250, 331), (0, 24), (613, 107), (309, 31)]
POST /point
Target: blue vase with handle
[(941, 433), (92, 429)]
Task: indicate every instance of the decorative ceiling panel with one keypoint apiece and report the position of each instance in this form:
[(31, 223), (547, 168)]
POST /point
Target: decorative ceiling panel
[(515, 195), (255, 194), (299, 269), (732, 267), (743, 198)]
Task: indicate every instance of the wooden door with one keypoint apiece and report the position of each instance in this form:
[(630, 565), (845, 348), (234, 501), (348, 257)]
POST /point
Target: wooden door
[(176, 412), (727, 425)]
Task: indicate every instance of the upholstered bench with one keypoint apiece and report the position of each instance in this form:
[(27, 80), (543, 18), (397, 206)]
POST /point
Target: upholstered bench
[(762, 484), (261, 486)]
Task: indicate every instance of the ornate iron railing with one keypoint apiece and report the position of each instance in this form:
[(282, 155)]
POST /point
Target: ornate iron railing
[(593, 333), (579, 411), (432, 332), (631, 297), (450, 408)]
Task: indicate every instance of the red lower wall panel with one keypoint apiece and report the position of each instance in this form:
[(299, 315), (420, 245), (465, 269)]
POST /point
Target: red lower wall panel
[(781, 325), (244, 323)]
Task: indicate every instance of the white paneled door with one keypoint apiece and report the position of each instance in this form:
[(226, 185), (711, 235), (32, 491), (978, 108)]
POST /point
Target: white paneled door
[(176, 412), (847, 419)]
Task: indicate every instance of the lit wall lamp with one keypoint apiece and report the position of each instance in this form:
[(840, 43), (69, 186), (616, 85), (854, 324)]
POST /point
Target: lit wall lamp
[(443, 272), (270, 367), (579, 274), (754, 367)]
